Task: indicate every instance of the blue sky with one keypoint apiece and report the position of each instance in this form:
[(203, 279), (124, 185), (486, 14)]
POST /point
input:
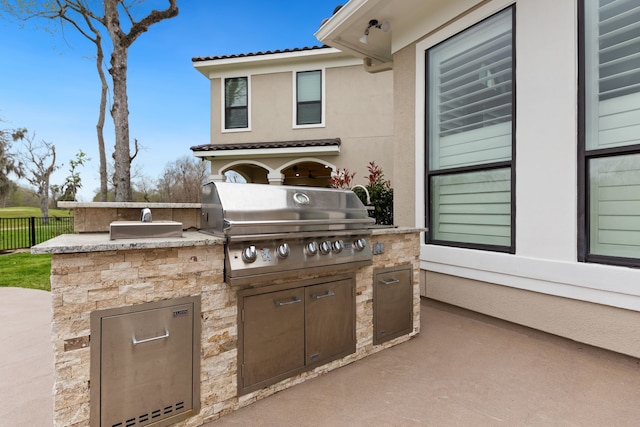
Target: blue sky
[(49, 84)]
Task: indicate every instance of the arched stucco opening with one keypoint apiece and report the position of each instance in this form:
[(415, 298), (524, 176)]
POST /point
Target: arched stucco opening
[(233, 176), (307, 172), (246, 172)]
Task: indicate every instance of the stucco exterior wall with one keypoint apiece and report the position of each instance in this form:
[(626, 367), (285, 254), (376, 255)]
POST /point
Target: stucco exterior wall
[(358, 110), (405, 157), (595, 324), (215, 108), (542, 285)]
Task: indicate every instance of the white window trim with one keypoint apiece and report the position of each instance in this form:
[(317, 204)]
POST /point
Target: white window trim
[(294, 100), (223, 106)]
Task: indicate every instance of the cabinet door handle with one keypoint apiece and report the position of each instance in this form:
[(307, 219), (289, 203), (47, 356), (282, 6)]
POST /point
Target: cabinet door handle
[(329, 293), (136, 341), (390, 282), (283, 303)]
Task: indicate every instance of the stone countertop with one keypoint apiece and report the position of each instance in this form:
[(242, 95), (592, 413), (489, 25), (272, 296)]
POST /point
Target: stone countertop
[(99, 242), (381, 230), (127, 205)]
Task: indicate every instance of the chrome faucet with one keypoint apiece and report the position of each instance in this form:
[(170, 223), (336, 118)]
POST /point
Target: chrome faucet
[(368, 206), (145, 216)]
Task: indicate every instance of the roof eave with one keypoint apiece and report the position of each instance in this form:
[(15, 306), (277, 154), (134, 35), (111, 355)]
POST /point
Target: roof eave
[(207, 67), (355, 14)]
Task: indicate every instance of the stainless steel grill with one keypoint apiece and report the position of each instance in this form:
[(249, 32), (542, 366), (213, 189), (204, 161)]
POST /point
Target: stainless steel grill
[(283, 231)]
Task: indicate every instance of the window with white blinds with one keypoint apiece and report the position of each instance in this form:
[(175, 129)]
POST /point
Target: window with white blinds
[(471, 92), (612, 129), (470, 137), (615, 206), (309, 97), (473, 207), (612, 72)]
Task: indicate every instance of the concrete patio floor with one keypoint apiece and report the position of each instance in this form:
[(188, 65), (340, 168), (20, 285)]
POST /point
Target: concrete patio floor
[(463, 369)]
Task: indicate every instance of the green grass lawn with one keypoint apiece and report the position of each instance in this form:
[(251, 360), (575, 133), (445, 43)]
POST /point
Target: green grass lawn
[(24, 270), (26, 212), (15, 226)]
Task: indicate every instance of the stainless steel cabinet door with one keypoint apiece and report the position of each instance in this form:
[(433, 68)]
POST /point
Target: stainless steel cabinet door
[(146, 365), (392, 304), (273, 336), (330, 320)]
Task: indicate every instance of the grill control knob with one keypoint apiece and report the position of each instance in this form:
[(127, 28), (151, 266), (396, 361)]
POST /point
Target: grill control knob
[(311, 248), (325, 247), (283, 250), (360, 244), (338, 246), (249, 254)]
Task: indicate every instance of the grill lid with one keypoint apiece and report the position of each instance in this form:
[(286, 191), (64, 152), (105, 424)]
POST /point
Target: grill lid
[(232, 209)]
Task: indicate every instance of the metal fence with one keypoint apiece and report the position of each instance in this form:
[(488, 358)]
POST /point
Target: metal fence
[(20, 233)]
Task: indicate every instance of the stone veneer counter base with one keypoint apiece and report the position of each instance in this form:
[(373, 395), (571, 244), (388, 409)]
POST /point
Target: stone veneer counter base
[(90, 272)]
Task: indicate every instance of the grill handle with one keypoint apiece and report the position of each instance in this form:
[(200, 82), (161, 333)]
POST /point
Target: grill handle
[(297, 223), (135, 341), (283, 303)]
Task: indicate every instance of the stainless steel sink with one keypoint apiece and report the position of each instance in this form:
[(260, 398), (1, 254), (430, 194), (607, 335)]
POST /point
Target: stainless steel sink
[(143, 230)]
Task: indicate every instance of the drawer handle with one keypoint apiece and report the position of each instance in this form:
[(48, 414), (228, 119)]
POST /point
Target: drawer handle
[(283, 303), (390, 282), (161, 337), (329, 293)]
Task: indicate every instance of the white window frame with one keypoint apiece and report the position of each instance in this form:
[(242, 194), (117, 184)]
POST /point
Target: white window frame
[(323, 104), (223, 109)]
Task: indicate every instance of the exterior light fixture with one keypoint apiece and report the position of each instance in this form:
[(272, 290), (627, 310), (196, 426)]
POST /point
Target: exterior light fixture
[(385, 26)]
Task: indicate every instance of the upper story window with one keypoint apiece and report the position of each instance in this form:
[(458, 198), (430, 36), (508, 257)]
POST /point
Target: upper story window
[(309, 97), (470, 137), (610, 132), (236, 103)]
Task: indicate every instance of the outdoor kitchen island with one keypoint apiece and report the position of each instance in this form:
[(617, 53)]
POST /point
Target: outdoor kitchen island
[(91, 274)]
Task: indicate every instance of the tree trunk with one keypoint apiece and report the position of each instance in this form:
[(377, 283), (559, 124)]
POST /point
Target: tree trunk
[(104, 190), (44, 203), (120, 108)]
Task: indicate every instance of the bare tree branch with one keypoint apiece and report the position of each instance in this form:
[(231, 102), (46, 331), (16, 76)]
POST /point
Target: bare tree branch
[(153, 17), (39, 168), (107, 14)]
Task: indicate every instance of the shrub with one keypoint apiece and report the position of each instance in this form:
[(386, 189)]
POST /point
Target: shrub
[(380, 191)]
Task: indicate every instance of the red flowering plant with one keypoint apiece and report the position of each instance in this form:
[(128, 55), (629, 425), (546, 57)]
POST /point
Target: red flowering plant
[(381, 195), (342, 179), (379, 189)]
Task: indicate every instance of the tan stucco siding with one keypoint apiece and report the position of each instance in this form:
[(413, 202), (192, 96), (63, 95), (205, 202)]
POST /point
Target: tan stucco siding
[(360, 113), (358, 110), (216, 109), (404, 149), (595, 324)]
